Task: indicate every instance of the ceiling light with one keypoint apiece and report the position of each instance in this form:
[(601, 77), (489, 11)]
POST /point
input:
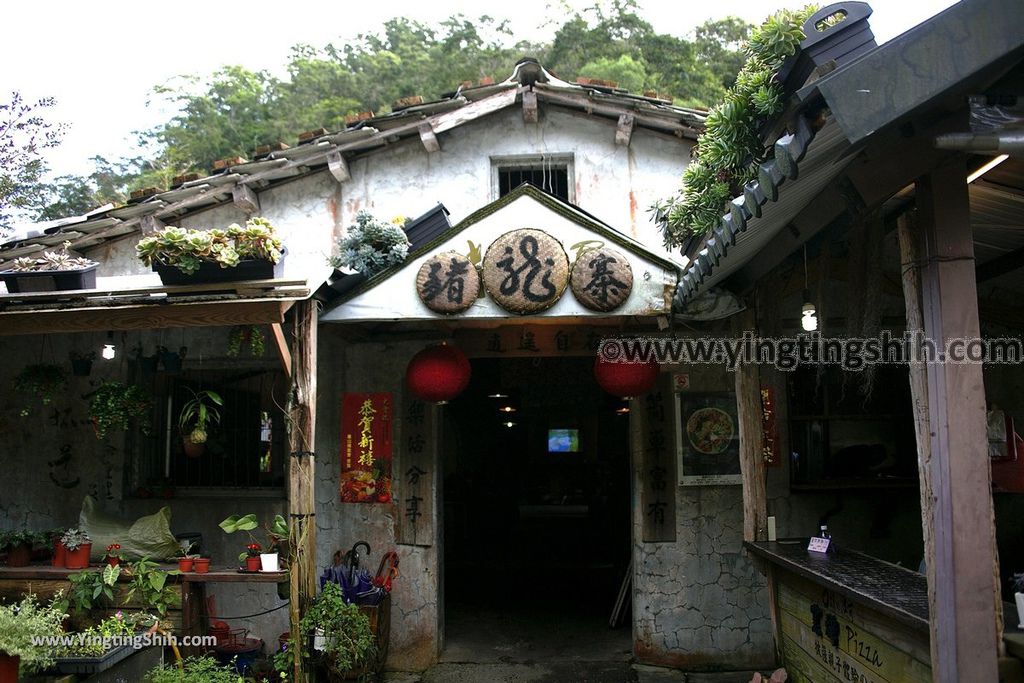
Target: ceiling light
[(987, 167)]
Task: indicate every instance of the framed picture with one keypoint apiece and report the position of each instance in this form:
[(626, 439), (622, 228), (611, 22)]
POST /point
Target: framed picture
[(708, 439)]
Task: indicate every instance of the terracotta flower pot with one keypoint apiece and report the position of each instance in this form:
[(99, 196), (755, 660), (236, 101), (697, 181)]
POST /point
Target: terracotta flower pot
[(59, 553), (193, 450), (202, 565), (20, 555), (9, 668), (79, 558), (252, 563), (185, 564), (113, 561)]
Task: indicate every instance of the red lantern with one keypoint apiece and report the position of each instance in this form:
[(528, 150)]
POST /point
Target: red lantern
[(626, 379), (438, 374)]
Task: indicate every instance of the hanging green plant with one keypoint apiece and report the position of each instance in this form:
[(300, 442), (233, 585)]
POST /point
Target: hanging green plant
[(43, 380), (242, 335), (114, 405), (728, 152)]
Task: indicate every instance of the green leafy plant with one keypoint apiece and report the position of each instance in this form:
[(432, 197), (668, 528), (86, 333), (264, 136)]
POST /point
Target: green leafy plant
[(92, 589), (23, 621), (114, 405), (277, 532), (371, 245), (194, 670), (348, 638), (149, 582), (246, 334), (187, 249), (12, 539), (51, 260), (198, 414), (75, 538), (729, 150), (91, 641), (43, 380)]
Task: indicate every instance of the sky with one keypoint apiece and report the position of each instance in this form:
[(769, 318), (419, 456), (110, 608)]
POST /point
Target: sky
[(101, 59)]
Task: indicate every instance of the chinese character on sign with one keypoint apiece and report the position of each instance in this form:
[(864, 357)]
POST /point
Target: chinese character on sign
[(414, 473), (453, 285), (533, 278), (603, 282), (412, 508), (366, 413), (561, 341)]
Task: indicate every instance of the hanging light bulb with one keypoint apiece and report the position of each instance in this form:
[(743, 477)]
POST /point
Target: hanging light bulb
[(109, 350), (808, 320)]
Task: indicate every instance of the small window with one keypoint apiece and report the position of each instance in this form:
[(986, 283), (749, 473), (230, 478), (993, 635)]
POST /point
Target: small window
[(245, 449), (551, 173)]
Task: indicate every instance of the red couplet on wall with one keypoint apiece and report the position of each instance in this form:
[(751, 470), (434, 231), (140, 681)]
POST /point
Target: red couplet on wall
[(366, 447)]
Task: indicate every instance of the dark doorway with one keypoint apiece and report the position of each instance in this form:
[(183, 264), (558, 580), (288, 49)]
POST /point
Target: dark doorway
[(537, 529)]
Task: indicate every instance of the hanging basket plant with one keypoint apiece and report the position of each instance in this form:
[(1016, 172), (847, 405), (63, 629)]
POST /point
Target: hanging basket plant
[(114, 405), (42, 381), (371, 245), (246, 335)]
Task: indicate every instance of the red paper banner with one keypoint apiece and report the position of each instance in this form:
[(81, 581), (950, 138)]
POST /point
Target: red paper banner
[(366, 421)]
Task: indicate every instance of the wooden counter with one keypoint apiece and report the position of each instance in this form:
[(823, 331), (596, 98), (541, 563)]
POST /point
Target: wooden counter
[(845, 616)]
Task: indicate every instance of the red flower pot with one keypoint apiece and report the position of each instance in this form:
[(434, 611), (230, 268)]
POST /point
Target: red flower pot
[(202, 565), (113, 561), (185, 564), (79, 558), (9, 668), (20, 555), (252, 563), (59, 553)]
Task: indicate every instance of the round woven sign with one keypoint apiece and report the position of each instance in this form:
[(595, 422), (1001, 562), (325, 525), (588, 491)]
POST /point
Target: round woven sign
[(526, 271), (602, 279), (448, 283)]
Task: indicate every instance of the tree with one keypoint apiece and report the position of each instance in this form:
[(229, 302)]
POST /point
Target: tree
[(74, 195), (24, 134), (625, 71)]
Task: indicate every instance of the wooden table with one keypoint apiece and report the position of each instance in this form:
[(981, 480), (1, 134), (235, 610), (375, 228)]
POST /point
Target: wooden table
[(845, 616)]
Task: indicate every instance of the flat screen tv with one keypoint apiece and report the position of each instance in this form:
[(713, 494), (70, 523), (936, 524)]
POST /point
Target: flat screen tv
[(563, 440)]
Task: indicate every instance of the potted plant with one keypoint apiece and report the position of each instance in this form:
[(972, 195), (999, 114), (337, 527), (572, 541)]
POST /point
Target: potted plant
[(171, 360), (18, 545), (186, 561), (81, 363), (59, 552), (202, 565), (44, 380), (183, 256), (55, 270), (371, 246), (277, 533), (196, 417), (20, 624), (77, 547), (341, 632), (251, 557), (114, 555), (113, 406), (246, 335)]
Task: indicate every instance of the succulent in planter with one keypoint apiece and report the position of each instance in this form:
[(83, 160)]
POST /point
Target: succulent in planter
[(60, 259), (371, 246), (75, 538), (54, 270), (42, 379), (187, 249), (114, 405)]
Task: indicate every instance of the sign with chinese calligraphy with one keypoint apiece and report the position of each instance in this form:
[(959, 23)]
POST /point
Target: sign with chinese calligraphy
[(708, 439), (602, 279), (526, 271), (417, 473), (651, 432), (769, 428), (366, 449), (448, 283), (827, 638)]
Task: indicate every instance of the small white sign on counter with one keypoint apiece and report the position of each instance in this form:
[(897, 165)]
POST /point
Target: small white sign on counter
[(818, 544)]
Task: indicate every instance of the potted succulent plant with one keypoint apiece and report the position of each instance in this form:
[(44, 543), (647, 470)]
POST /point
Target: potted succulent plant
[(371, 246), (22, 625), (196, 417), (184, 256), (55, 270), (43, 380), (77, 547), (114, 405), (277, 533)]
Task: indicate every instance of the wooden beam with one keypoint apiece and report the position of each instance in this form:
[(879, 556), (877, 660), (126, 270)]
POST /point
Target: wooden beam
[(624, 130), (530, 114), (143, 317), (428, 138), (150, 224), (1000, 265), (301, 472), (475, 110), (750, 417), (961, 573), (338, 167), (281, 345), (245, 199)]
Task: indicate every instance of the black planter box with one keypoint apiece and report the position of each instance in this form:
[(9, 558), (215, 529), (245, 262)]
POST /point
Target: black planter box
[(92, 665), (211, 272), (841, 43), (49, 280)]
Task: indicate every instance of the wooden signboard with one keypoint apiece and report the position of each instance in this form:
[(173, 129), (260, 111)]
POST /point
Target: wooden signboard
[(826, 638), (652, 438), (417, 485), (526, 271)]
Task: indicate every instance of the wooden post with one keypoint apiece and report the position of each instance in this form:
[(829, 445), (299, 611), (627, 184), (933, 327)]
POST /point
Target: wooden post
[(750, 414), (301, 496), (959, 512)]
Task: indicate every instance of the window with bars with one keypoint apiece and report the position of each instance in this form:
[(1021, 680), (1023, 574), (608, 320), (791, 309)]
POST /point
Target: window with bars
[(244, 449), (551, 173)]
